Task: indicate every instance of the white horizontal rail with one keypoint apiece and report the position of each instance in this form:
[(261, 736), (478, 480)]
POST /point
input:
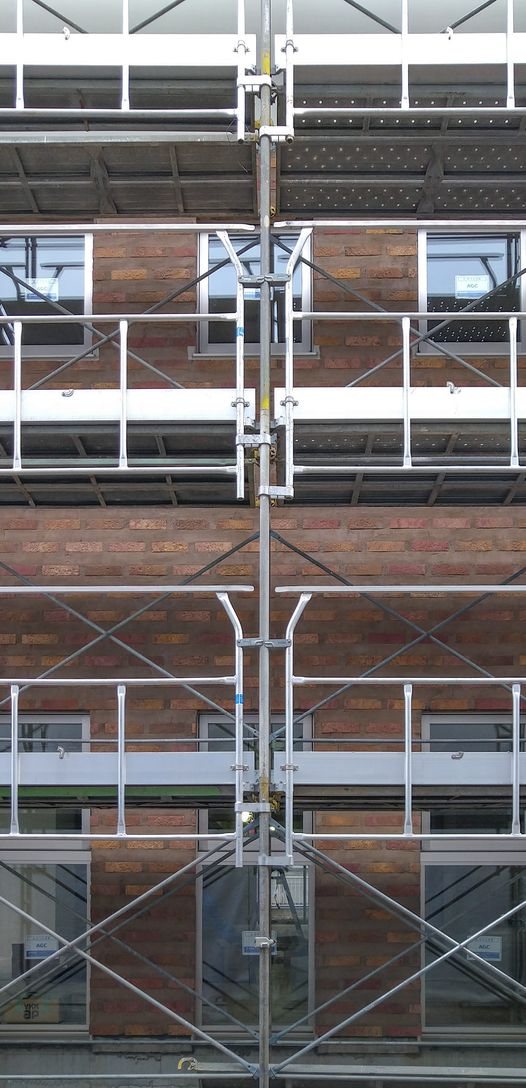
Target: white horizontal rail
[(122, 227), (138, 318), (113, 50), (91, 468), (321, 50), (369, 403), (441, 681), (420, 590), (399, 315), (114, 681), (439, 224), (143, 405), (112, 590)]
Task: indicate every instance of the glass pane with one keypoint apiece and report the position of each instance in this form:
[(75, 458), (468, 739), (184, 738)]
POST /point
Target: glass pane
[(230, 957), (56, 895), (34, 272), (463, 992), (472, 736), (222, 291), (462, 269), (43, 736)]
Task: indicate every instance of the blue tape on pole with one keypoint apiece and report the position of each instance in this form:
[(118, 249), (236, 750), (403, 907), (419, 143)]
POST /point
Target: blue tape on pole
[(240, 330), (239, 698)]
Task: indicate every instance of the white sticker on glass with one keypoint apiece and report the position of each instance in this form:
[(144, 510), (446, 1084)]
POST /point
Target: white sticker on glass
[(472, 286)]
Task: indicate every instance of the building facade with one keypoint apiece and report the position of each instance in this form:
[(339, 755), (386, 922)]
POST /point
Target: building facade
[(261, 469)]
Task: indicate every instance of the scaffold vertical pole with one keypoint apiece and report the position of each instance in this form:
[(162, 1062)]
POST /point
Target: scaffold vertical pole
[(121, 759), (510, 58), (17, 385), (265, 163), (240, 363), (125, 70), (516, 747), (19, 91), (15, 691), (123, 382), (241, 70), (224, 599)]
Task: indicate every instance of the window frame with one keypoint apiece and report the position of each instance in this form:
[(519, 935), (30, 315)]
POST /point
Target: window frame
[(463, 852), (52, 856), (478, 349), (209, 348), (69, 848), (462, 856), (63, 351)]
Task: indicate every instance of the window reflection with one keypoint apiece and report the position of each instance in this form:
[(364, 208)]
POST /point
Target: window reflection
[(34, 273), (230, 957), (463, 992), (461, 271), (55, 993)]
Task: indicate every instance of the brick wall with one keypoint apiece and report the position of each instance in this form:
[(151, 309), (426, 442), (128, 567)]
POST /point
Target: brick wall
[(345, 636)]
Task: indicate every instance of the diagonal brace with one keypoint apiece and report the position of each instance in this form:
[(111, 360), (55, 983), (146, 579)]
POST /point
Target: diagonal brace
[(104, 634), (422, 633)]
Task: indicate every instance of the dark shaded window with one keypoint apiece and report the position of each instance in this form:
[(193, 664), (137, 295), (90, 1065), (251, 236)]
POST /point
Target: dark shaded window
[(36, 272), (465, 270)]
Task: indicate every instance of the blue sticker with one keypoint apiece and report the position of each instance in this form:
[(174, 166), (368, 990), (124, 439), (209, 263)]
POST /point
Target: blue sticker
[(239, 698), (240, 330)]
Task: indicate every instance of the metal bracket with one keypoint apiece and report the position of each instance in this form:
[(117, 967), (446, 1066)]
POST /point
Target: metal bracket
[(254, 83), (278, 133), (276, 279), (289, 400), (270, 643), (255, 440), (277, 492), (276, 861), (252, 806), (264, 942)]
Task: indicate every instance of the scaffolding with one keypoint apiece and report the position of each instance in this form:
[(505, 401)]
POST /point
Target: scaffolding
[(404, 775)]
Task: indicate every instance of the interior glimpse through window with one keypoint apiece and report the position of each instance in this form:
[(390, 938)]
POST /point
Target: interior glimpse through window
[(55, 895), (230, 953), (461, 270), (36, 272), (468, 887)]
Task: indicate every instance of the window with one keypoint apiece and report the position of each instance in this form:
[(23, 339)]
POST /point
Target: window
[(229, 912), (51, 886), (468, 885), (55, 891), (230, 959), (218, 294), (459, 270), (45, 733), (35, 272)]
